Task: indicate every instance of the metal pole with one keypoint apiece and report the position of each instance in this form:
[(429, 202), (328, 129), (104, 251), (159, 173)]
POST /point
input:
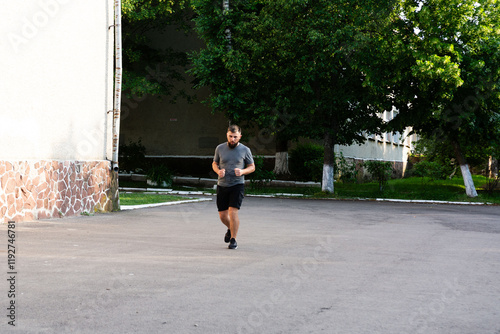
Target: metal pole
[(118, 83), (225, 8)]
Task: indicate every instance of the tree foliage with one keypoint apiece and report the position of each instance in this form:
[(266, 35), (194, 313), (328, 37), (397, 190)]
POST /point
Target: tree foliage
[(456, 69), (149, 69), (442, 72), (380, 171), (294, 58), (331, 66)]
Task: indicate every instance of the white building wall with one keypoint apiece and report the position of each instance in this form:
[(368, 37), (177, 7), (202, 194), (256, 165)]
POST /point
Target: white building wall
[(56, 66), (385, 147), (56, 88), (375, 150)]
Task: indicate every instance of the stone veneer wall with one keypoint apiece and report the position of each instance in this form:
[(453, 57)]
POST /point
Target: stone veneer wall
[(31, 190)]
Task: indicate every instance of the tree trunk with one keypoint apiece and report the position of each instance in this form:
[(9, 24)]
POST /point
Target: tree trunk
[(328, 164), (281, 158), (492, 167), (470, 189)]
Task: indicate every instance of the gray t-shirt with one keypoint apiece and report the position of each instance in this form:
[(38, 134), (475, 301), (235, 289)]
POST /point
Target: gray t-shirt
[(229, 159)]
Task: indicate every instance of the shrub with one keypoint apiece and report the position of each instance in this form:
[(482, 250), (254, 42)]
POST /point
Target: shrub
[(431, 169), (260, 177), (159, 174), (345, 172), (491, 185), (380, 171), (306, 162), (132, 157), (442, 153)]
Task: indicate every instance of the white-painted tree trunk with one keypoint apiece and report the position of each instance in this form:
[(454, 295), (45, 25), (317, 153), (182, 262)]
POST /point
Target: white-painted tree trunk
[(327, 181), (470, 189), (328, 164), (281, 163)]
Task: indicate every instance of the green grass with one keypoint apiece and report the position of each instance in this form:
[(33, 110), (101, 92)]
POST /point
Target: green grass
[(309, 191), (414, 188), (143, 184), (147, 198)]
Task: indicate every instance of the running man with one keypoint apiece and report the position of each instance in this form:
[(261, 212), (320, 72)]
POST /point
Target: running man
[(232, 160)]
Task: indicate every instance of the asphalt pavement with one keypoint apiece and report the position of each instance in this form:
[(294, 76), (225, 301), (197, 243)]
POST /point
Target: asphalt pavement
[(302, 266)]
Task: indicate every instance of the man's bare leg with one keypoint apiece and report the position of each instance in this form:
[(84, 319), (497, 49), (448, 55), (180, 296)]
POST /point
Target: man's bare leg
[(234, 221), (224, 218), (231, 219)]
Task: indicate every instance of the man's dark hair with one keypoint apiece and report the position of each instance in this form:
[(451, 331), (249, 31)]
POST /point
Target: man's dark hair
[(234, 128)]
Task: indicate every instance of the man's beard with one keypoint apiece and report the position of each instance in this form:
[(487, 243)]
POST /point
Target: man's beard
[(232, 145)]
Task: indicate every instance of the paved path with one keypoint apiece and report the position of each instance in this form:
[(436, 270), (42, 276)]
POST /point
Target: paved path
[(302, 266)]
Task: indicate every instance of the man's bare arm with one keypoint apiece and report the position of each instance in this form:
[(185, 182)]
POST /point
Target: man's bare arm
[(250, 168)]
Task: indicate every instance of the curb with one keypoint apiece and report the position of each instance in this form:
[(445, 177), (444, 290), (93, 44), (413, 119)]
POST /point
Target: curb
[(206, 182), (166, 191), (417, 201), (142, 206), (422, 201), (277, 195)]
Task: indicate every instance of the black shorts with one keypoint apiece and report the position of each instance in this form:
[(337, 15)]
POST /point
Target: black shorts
[(230, 197)]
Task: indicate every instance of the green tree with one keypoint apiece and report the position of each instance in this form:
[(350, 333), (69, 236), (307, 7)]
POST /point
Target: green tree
[(149, 69), (242, 86), (380, 171), (443, 70), (301, 57)]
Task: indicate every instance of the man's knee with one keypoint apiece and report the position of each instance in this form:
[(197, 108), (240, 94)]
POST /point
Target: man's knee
[(233, 210)]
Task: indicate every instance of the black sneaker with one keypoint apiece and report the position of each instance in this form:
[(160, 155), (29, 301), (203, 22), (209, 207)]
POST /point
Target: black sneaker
[(233, 244), (227, 237)]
